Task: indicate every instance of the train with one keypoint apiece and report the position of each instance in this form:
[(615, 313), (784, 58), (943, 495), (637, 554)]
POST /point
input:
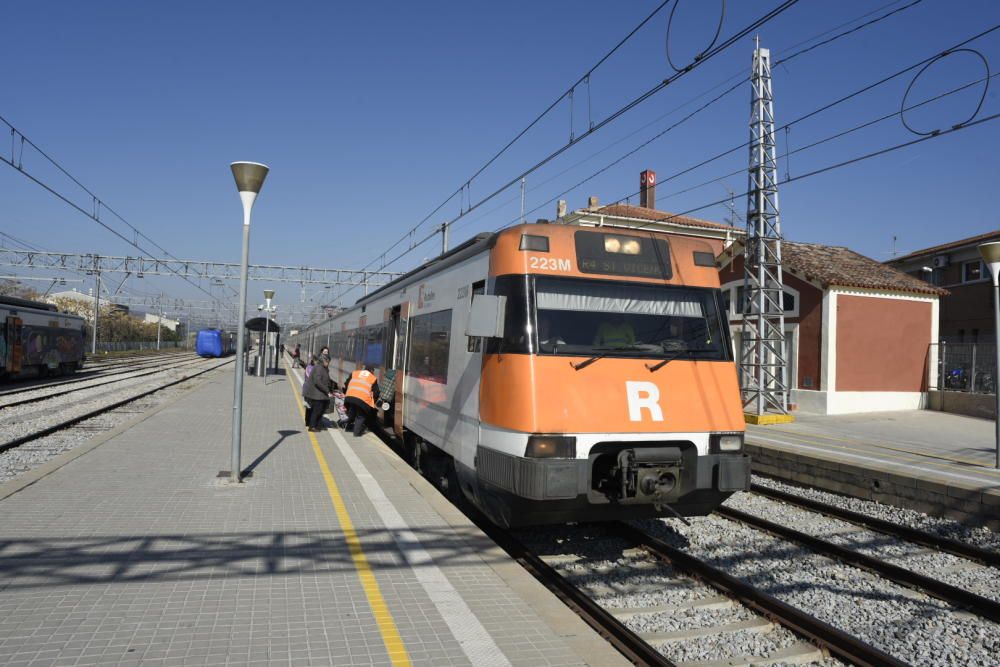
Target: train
[(214, 343), (552, 373), (37, 340)]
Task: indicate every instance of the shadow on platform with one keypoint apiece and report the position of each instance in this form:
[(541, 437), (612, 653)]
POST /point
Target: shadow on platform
[(42, 562)]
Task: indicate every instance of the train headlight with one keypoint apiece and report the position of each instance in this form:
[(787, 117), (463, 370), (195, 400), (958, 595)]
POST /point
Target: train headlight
[(727, 442), (551, 447)]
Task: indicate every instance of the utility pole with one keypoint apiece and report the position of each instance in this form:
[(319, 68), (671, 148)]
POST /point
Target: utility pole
[(97, 310), (522, 200), (763, 367), (159, 321)]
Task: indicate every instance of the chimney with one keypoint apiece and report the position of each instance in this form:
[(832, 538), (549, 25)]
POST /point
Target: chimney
[(647, 189), (592, 203), (560, 209)]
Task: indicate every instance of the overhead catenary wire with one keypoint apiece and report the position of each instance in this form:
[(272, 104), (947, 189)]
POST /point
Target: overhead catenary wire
[(727, 43), (94, 214), (739, 77), (816, 172), (826, 107), (732, 88), (466, 183)]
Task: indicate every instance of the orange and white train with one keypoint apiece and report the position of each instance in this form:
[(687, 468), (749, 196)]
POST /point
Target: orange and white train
[(556, 373)]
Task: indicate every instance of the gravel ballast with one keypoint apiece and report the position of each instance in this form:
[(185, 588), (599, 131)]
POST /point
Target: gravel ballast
[(30, 455), (907, 624), (618, 576)]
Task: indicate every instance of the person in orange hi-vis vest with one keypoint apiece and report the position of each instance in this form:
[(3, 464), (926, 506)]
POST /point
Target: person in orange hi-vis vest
[(362, 389)]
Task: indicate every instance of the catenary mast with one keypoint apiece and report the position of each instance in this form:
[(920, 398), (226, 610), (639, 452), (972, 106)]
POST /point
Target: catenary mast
[(763, 363)]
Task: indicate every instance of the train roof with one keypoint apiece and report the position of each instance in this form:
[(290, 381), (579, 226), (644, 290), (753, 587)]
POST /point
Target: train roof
[(27, 303), (459, 253)]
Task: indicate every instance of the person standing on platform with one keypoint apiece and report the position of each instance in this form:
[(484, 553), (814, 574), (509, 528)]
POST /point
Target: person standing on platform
[(317, 392), (360, 398), (313, 361), (297, 355)]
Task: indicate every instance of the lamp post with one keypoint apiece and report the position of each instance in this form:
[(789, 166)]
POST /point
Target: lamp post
[(991, 256), (268, 295), (249, 180)]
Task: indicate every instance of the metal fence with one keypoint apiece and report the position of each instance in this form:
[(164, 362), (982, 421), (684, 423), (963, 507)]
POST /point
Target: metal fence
[(136, 345), (968, 367)]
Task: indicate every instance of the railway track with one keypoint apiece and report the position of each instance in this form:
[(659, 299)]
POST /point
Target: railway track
[(69, 422), (766, 600), (929, 540), (89, 371), (817, 637), (654, 565), (59, 389)]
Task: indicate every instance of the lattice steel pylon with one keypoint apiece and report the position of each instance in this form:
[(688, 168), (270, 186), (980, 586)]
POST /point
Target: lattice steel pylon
[(763, 367)]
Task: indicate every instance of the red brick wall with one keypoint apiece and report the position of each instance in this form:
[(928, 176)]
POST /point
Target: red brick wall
[(882, 343)]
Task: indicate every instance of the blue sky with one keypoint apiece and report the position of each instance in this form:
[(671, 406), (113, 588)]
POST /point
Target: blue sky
[(370, 114)]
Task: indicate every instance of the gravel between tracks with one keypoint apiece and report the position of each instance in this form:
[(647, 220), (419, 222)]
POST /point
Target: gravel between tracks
[(68, 385), (22, 420), (618, 576), (955, 570), (977, 536), (907, 624), (30, 455)]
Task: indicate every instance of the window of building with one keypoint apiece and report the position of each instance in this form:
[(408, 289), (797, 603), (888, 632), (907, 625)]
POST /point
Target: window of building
[(973, 271), (430, 338), (788, 302)]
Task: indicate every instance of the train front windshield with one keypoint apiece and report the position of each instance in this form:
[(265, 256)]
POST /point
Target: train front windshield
[(572, 317)]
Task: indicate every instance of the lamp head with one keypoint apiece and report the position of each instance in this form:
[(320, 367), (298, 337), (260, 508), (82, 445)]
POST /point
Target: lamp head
[(269, 294), (249, 176), (991, 255)]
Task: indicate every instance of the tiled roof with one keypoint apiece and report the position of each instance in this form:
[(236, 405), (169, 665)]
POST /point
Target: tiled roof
[(842, 267), (933, 250), (642, 213)]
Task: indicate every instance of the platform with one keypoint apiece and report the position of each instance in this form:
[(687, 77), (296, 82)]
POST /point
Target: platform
[(933, 462), (332, 553)]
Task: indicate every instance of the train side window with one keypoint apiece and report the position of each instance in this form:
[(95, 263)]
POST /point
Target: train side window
[(518, 319), (476, 342), (430, 343)]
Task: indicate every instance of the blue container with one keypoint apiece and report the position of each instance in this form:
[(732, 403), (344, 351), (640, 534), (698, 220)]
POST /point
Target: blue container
[(211, 343)]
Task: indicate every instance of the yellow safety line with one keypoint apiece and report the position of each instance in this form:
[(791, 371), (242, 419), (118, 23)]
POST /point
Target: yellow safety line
[(386, 625)]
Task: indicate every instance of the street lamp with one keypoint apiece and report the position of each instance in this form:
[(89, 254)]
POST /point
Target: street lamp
[(268, 295), (991, 255), (249, 180)]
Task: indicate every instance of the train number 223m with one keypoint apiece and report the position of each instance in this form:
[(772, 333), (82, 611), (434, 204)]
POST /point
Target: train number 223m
[(549, 263)]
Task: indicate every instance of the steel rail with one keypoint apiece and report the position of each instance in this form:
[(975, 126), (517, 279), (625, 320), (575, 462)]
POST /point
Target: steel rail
[(85, 375), (628, 643), (145, 371), (958, 597), (49, 430), (90, 372), (839, 643), (633, 647), (946, 544)]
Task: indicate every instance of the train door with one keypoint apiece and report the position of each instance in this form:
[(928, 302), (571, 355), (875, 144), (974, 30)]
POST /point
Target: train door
[(15, 350), (397, 361)]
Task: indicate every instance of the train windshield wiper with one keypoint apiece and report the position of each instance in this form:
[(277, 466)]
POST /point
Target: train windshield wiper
[(605, 352), (666, 360)]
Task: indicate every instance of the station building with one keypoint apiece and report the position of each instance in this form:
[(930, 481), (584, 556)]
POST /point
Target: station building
[(858, 332), (967, 311)]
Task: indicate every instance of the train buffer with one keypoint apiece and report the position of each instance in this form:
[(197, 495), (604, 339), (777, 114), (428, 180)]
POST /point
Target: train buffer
[(333, 551)]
